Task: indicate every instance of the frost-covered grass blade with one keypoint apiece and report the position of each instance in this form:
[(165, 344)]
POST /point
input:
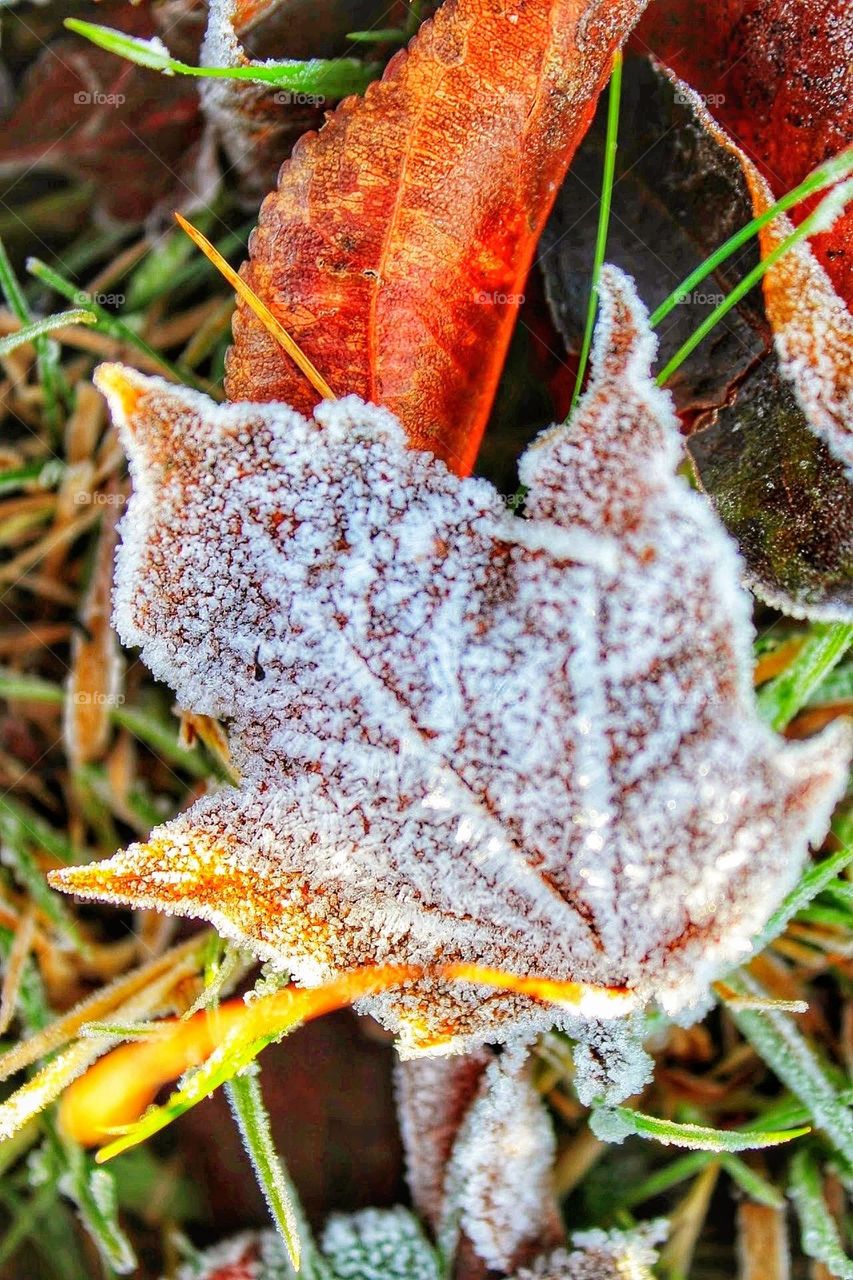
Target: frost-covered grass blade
[(247, 1103), (330, 77)]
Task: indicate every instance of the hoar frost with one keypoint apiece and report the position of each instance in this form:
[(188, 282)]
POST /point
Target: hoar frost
[(462, 736)]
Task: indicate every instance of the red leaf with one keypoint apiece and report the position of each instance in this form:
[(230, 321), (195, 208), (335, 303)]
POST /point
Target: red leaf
[(397, 244), (778, 77)]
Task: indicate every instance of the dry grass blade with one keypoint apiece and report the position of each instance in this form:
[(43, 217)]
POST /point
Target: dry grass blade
[(762, 1236), (24, 937), (260, 309), (172, 966)]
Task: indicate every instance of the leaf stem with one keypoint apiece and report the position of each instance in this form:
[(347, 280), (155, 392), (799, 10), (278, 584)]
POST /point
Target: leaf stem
[(610, 145)]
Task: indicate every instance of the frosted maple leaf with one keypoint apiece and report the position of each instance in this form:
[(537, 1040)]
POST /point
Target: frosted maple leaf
[(531, 744)]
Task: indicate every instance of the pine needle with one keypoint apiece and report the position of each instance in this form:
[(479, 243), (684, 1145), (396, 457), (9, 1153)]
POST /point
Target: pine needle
[(260, 309)]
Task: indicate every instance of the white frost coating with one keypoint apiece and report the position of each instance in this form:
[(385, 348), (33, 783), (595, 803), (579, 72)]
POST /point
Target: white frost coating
[(379, 1244), (498, 1187), (455, 743), (610, 1061), (602, 1255)]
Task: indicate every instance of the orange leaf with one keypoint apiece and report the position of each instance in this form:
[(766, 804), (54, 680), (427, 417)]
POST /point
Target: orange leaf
[(396, 247)]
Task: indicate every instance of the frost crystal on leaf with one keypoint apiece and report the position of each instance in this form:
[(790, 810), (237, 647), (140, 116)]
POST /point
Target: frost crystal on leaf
[(463, 736), (601, 1255), (379, 1244), (498, 1189)]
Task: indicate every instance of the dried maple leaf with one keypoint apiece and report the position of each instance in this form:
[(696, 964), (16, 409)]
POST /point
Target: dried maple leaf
[(768, 418), (530, 744), (397, 244)]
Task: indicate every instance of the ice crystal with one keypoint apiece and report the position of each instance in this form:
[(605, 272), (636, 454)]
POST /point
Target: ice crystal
[(498, 1189), (601, 1255), (529, 743), (379, 1244)]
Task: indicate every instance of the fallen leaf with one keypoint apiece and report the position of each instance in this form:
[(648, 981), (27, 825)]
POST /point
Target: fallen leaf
[(433, 1097), (435, 703), (602, 1255), (498, 1188), (396, 247), (256, 125), (778, 76), (677, 197), (761, 443), (782, 495)]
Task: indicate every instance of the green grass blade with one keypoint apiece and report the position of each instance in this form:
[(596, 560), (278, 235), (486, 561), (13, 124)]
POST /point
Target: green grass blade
[(697, 1137), (38, 328), (326, 77), (834, 170), (662, 1180), (781, 698), (822, 218), (789, 1055), (93, 1192), (382, 35), (226, 1061), (751, 1182), (15, 842), (47, 352), (610, 145), (244, 1095), (818, 1233), (38, 832), (105, 322), (837, 687), (41, 475)]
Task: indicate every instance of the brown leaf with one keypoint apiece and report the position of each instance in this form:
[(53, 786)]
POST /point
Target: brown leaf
[(397, 244), (683, 187), (678, 196)]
